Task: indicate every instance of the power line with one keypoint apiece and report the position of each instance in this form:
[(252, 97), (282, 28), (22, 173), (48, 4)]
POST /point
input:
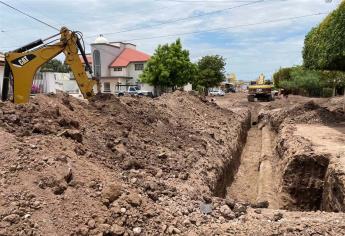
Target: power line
[(181, 19), (32, 17), (235, 26)]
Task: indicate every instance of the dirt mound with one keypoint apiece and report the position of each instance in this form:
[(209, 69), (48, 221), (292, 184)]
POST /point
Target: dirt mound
[(309, 112), (130, 166)]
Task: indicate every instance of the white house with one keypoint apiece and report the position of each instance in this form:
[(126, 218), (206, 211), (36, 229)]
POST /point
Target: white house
[(53, 82), (117, 65)]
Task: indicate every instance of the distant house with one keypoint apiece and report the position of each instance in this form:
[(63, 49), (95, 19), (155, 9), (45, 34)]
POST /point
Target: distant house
[(117, 65), (53, 82), (2, 67)]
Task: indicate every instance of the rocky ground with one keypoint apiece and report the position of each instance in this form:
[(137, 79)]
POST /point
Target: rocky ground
[(140, 166)]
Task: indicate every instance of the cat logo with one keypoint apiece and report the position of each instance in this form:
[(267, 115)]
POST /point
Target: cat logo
[(21, 61)]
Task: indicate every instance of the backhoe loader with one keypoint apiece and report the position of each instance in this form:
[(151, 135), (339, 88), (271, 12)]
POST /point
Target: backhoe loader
[(22, 64)]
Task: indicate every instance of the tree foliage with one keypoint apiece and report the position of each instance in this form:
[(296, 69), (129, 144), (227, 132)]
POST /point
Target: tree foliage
[(55, 65), (324, 47), (169, 67), (280, 75), (211, 71), (302, 81)]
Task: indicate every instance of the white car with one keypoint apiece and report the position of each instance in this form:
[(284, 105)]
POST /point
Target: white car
[(134, 91), (216, 92)]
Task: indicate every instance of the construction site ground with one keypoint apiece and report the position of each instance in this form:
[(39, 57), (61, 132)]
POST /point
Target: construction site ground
[(179, 164)]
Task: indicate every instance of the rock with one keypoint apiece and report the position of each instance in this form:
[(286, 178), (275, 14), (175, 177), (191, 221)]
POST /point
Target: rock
[(230, 202), (112, 191), (227, 212), (134, 199), (117, 230), (173, 230), (184, 176), (133, 164), (207, 199), (104, 228), (13, 218), (72, 134), (137, 231), (159, 173), (186, 222), (239, 208), (263, 204), (91, 223), (278, 216), (68, 176), (59, 189), (205, 208), (83, 231)]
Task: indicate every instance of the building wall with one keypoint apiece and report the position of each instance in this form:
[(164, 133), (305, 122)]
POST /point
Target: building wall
[(1, 76), (108, 53), (134, 73), (124, 72), (113, 84)]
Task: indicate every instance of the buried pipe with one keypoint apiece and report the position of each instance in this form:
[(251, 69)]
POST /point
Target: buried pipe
[(266, 185)]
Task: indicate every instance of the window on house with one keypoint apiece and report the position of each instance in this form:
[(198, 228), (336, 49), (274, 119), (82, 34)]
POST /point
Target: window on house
[(139, 66), (97, 63), (106, 87), (117, 68)]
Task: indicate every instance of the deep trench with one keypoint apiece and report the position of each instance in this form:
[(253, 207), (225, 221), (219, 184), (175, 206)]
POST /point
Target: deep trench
[(301, 181)]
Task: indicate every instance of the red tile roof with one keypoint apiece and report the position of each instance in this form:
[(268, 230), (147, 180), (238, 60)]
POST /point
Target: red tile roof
[(129, 55), (89, 58)]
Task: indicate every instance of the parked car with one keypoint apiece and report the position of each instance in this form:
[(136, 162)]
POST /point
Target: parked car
[(216, 92), (134, 91), (231, 90)]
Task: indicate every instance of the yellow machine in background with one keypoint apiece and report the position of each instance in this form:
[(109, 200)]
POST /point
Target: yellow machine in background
[(260, 90), (22, 64)]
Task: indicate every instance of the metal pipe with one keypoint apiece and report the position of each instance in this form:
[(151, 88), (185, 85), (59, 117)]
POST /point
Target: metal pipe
[(51, 37), (88, 67)]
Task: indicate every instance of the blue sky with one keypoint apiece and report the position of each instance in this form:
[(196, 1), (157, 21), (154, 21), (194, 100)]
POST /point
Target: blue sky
[(249, 50)]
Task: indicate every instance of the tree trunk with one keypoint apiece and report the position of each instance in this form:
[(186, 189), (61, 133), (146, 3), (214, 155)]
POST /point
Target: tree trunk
[(206, 92)]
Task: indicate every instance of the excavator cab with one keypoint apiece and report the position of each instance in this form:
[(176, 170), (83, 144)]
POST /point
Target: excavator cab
[(22, 64)]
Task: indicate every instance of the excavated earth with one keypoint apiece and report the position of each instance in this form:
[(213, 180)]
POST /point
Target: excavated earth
[(178, 164)]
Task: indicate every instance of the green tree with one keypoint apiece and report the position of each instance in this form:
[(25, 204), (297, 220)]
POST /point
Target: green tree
[(211, 72), (55, 65), (169, 67), (324, 47), (280, 75)]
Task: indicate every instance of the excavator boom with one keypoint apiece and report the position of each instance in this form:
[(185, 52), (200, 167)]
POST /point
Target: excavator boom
[(22, 64)]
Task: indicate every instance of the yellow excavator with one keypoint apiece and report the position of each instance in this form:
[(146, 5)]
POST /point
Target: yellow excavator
[(22, 64), (260, 90)]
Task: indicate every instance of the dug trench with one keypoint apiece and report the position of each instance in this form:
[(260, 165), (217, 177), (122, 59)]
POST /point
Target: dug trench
[(271, 172)]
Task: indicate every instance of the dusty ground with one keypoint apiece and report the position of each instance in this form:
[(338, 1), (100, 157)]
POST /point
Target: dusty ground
[(172, 165)]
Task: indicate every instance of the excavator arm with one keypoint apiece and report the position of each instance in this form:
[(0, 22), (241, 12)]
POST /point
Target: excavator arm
[(22, 64)]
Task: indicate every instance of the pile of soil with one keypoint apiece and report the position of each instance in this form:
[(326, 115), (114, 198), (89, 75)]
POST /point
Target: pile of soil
[(135, 166), (311, 153), (142, 166)]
